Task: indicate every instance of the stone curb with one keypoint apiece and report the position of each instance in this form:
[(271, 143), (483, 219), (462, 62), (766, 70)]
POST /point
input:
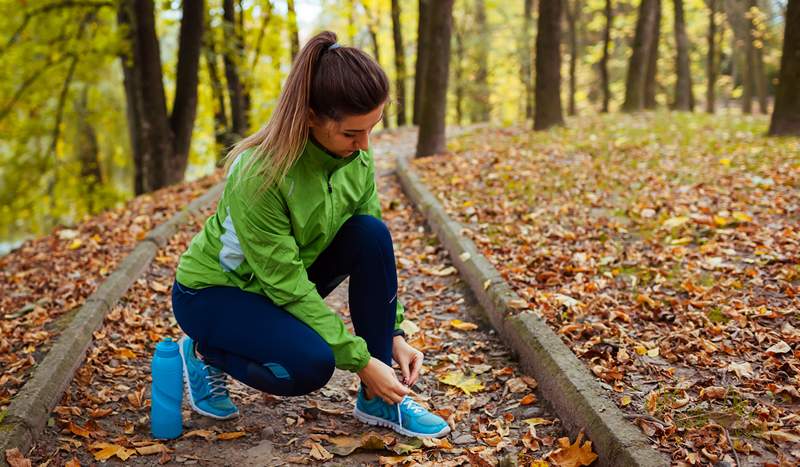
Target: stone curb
[(564, 381), (28, 412)]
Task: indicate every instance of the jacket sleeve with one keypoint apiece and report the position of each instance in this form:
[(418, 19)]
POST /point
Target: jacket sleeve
[(264, 231), (371, 205)]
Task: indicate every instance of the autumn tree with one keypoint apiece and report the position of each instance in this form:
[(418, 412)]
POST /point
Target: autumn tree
[(547, 111), (294, 35), (233, 58), (525, 52), (652, 60), (572, 11), (399, 63), (433, 103), (684, 98), (640, 57), (603, 64), (423, 50), (786, 114), (711, 57), (480, 87), (160, 141)]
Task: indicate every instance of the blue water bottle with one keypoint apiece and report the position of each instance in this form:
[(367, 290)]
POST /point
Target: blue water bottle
[(166, 391)]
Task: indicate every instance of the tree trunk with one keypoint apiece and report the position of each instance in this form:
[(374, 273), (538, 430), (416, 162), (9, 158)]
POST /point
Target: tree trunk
[(480, 107), (432, 138), (760, 81), (547, 111), (526, 59), (232, 58), (399, 63), (294, 37), (458, 72), (160, 142), (652, 62), (87, 149), (221, 125), (637, 68), (423, 49), (372, 27), (604, 59), (572, 20), (711, 59), (684, 98), (786, 113)]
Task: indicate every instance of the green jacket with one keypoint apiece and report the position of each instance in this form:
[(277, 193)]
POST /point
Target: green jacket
[(264, 243)]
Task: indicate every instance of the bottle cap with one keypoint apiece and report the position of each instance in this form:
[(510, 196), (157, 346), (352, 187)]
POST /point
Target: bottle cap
[(167, 348)]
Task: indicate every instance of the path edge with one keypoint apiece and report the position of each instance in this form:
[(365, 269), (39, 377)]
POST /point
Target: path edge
[(26, 416), (564, 381)]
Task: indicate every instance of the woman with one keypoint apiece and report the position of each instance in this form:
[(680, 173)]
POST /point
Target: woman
[(299, 214)]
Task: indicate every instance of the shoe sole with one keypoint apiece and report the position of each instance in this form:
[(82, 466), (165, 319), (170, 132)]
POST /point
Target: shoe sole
[(377, 421), (189, 391)]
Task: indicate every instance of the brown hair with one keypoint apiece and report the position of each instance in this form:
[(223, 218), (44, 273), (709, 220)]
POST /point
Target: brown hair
[(333, 82)]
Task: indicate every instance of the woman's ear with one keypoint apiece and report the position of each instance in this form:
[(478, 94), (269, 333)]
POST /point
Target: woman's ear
[(313, 120)]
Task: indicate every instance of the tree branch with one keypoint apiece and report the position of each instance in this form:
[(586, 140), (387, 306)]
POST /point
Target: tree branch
[(30, 14), (264, 22), (27, 83)]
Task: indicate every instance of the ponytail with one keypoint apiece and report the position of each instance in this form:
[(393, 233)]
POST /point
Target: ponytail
[(334, 82)]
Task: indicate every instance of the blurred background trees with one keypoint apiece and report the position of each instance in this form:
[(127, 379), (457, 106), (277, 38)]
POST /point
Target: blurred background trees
[(104, 99)]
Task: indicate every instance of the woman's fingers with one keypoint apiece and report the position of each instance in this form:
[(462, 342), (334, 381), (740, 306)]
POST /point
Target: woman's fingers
[(404, 369), (416, 366)]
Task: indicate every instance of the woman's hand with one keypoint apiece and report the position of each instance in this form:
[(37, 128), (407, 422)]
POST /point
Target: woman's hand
[(381, 381), (409, 359)]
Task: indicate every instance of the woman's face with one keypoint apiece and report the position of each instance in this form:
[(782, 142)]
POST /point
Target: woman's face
[(347, 136)]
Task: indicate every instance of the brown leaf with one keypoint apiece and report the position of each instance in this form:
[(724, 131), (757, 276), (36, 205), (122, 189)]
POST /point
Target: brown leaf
[(207, 434), (231, 435), (105, 451), (319, 453), (528, 400), (713, 392), (573, 455), (16, 459), (156, 448), (98, 413), (74, 462), (78, 430)]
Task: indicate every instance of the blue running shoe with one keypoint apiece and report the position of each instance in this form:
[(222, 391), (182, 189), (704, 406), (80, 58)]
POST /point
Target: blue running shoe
[(206, 385), (407, 418)]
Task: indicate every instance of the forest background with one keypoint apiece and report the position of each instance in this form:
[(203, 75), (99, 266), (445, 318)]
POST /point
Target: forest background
[(65, 145)]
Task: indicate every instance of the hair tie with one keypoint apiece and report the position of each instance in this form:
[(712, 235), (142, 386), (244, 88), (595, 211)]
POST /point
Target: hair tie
[(335, 45)]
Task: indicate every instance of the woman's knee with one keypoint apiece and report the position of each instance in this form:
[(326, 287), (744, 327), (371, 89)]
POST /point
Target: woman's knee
[(313, 371), (367, 229)]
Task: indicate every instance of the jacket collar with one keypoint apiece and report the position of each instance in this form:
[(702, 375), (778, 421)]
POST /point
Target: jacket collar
[(319, 158)]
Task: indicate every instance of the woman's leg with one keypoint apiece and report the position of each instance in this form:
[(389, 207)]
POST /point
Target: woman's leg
[(363, 250), (248, 337)]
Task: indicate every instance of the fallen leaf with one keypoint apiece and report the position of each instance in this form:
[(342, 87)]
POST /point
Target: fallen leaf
[(528, 400), (573, 455), (106, 451), (674, 222), (780, 436), (468, 384), (78, 430), (156, 448), (516, 385), (319, 453), (207, 434), (75, 244), (125, 353), (713, 392), (780, 347), (463, 325), (74, 462), (231, 435), (97, 413), (15, 458), (538, 421), (742, 369)]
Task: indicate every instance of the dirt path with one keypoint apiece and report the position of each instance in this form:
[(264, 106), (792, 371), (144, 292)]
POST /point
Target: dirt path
[(105, 410)]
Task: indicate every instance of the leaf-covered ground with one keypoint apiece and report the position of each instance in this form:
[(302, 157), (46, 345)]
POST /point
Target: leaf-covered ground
[(470, 379), (46, 280), (665, 250)]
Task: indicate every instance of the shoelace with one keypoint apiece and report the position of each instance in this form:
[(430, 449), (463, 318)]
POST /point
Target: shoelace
[(217, 380), (410, 405)]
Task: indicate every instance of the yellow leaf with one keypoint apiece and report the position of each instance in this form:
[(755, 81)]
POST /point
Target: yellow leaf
[(468, 384), (673, 222), (640, 349), (742, 216), (463, 325), (540, 463), (626, 400), (653, 352), (125, 353), (573, 455), (106, 451), (725, 162), (75, 244), (231, 435), (721, 221), (538, 421)]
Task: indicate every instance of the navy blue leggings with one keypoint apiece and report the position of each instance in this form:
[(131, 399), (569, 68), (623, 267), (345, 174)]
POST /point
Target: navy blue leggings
[(260, 344)]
